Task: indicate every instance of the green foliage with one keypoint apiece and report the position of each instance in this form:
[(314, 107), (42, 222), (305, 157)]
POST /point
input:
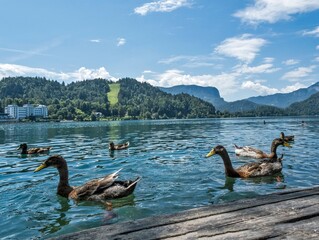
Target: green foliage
[(81, 100), (141, 100), (309, 106), (112, 95)]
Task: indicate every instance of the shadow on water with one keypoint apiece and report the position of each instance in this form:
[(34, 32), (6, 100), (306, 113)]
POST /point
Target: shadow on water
[(60, 220)]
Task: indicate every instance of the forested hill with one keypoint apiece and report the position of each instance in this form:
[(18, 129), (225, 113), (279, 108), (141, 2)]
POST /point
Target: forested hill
[(146, 100), (81, 100), (309, 106)]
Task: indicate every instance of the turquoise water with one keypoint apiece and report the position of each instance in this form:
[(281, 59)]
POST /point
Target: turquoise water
[(168, 155)]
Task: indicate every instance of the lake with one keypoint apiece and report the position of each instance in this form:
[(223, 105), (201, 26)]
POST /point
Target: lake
[(167, 154)]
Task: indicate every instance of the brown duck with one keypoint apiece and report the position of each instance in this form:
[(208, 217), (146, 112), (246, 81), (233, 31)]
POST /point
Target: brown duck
[(95, 190), (38, 150), (254, 169), (247, 151), (121, 146)]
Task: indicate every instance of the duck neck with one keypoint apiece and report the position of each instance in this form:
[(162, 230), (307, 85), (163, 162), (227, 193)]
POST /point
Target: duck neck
[(229, 170), (24, 150), (273, 150), (64, 188)]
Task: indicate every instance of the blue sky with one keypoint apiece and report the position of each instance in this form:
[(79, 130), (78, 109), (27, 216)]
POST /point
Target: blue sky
[(244, 48)]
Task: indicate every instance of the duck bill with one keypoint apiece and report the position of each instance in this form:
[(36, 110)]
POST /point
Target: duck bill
[(40, 167), (211, 153), (286, 144)]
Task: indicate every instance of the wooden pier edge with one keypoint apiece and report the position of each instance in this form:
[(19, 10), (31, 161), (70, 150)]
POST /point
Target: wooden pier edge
[(290, 214)]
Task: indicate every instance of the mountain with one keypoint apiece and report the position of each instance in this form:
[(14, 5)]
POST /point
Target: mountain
[(208, 94), (283, 100), (84, 100), (309, 106), (211, 95)]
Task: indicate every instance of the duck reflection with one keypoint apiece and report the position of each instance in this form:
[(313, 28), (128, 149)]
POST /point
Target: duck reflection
[(61, 220)]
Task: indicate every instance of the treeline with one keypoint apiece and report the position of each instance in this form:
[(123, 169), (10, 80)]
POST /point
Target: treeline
[(82, 100), (142, 99)]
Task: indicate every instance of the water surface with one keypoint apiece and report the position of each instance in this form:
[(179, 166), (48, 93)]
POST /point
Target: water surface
[(168, 155)]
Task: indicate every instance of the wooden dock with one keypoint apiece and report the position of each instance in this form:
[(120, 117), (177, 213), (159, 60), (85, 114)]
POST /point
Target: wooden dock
[(290, 214)]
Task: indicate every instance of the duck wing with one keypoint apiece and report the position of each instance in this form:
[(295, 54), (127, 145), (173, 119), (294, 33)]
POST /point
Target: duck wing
[(118, 189), (248, 151), (94, 186), (259, 169), (38, 150), (122, 146)]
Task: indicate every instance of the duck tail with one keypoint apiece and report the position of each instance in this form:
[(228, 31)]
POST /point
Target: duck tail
[(116, 172), (134, 182), (111, 176), (127, 143), (237, 146)]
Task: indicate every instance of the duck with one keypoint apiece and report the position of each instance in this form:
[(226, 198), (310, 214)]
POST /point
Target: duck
[(250, 170), (113, 146), (37, 150), (247, 151), (289, 138), (100, 189)]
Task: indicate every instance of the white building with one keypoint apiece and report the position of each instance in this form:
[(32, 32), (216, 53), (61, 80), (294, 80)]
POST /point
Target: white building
[(26, 110)]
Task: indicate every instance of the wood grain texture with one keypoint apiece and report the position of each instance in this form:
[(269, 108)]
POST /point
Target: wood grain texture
[(290, 214)]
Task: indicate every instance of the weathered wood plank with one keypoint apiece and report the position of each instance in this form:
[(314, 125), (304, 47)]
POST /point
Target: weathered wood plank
[(291, 214)]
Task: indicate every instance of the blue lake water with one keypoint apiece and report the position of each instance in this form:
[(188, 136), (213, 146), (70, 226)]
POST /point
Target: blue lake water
[(168, 155)]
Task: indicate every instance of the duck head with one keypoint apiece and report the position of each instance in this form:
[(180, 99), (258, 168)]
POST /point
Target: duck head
[(216, 150), (56, 161), (22, 146), (281, 141)]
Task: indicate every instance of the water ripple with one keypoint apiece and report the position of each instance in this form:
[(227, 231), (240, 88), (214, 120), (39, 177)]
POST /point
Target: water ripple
[(168, 155)]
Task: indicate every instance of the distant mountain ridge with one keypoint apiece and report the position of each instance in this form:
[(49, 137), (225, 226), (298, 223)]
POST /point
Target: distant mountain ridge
[(283, 100), (211, 94)]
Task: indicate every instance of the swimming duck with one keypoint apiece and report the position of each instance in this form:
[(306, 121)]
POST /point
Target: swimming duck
[(249, 170), (247, 151), (95, 190), (287, 138), (38, 150), (113, 146)]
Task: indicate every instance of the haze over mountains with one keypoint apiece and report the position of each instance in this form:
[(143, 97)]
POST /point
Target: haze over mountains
[(211, 94)]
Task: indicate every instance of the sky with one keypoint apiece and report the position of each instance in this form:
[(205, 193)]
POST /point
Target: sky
[(243, 48)]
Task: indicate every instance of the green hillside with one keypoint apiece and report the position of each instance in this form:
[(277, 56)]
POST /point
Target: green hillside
[(112, 95), (125, 99)]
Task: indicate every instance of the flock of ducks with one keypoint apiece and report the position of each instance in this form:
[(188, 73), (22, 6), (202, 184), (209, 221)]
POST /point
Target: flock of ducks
[(108, 187), (269, 165)]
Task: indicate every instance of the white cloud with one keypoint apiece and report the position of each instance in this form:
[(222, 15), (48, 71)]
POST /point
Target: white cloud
[(272, 11), (244, 48), (292, 88), (11, 70), (191, 61), (225, 82), (162, 6), (259, 88), (264, 90), (263, 68), (269, 60), (121, 41), (95, 40), (290, 62), (317, 47), (300, 72), (314, 32)]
